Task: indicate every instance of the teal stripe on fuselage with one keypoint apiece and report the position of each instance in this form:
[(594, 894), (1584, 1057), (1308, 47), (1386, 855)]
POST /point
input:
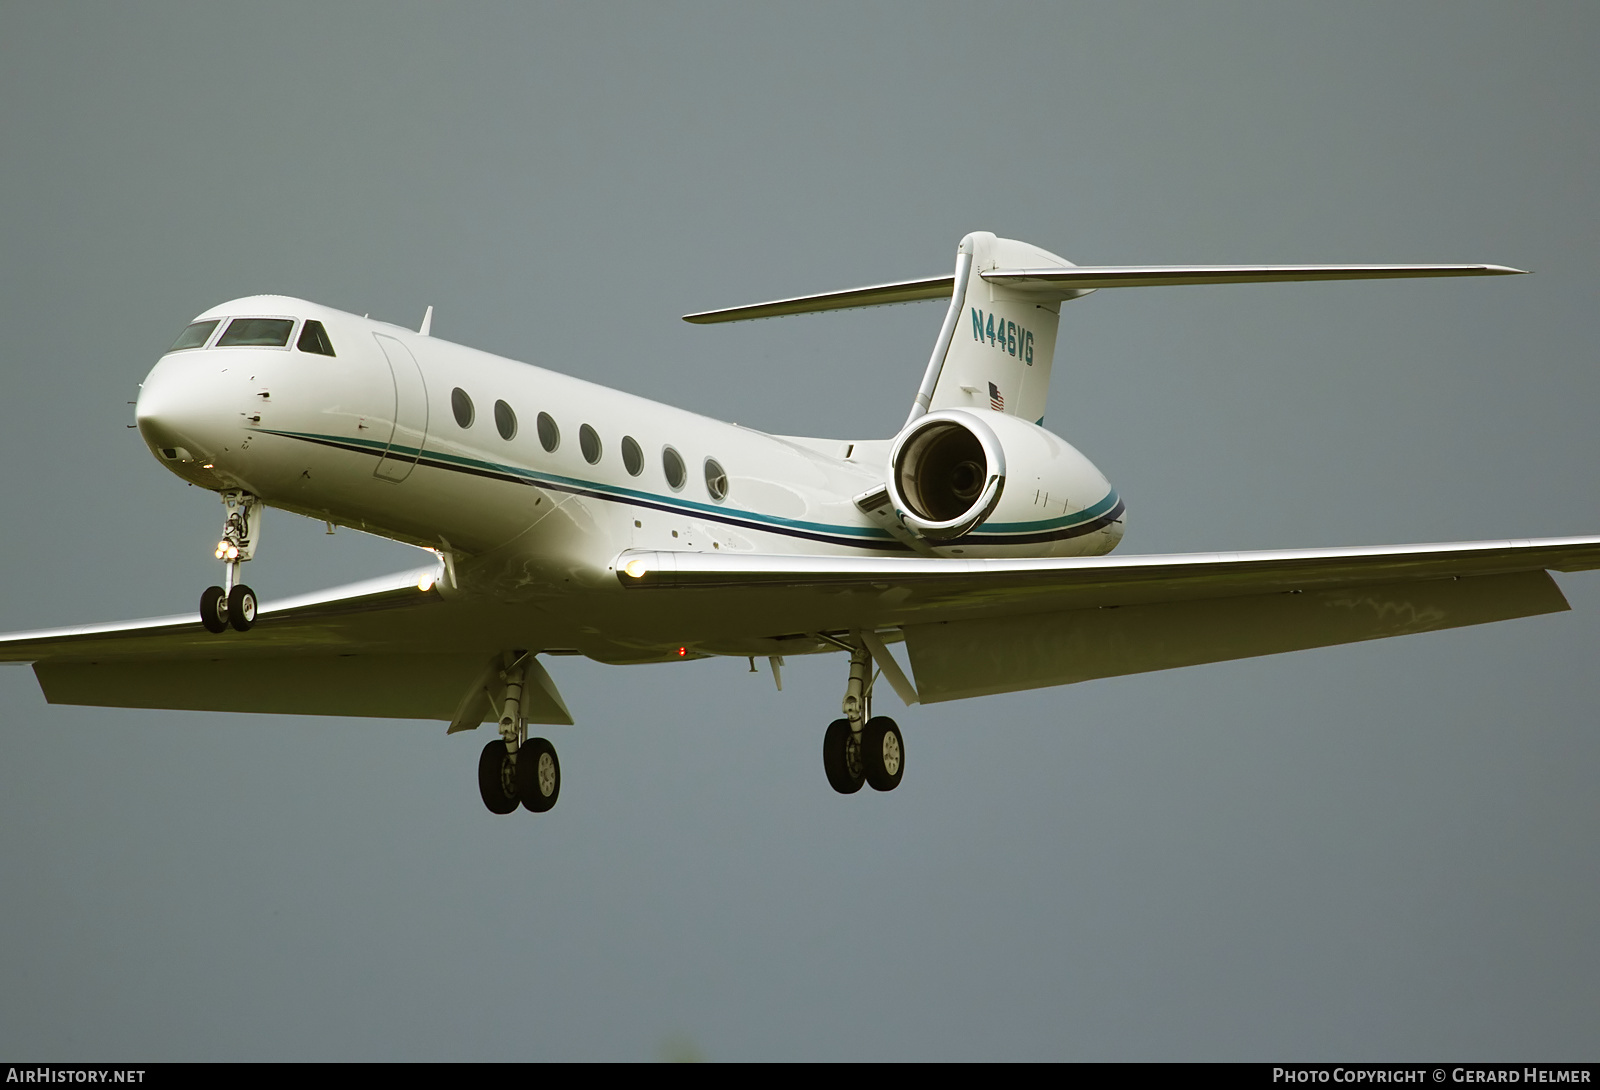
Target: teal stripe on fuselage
[(753, 519), (1064, 521)]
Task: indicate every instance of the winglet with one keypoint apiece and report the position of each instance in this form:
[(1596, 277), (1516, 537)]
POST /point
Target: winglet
[(427, 322)]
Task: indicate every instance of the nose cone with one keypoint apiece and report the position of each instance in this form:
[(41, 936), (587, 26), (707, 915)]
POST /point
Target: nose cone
[(187, 416)]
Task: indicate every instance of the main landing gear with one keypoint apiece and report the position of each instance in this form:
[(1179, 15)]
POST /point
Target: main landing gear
[(233, 604), (515, 769), (862, 748)]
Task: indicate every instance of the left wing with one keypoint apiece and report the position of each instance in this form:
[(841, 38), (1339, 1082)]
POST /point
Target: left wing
[(987, 626)]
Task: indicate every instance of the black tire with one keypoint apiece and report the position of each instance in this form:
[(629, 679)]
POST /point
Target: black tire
[(841, 760), (214, 609), (883, 753), (242, 608), (538, 775), (497, 778)]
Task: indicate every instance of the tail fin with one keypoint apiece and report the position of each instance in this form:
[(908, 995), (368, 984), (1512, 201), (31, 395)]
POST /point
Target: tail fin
[(998, 341)]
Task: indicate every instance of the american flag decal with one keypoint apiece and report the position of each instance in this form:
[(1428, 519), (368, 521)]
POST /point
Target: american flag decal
[(997, 400)]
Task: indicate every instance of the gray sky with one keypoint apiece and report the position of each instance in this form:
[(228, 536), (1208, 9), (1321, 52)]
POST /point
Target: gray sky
[(1383, 851)]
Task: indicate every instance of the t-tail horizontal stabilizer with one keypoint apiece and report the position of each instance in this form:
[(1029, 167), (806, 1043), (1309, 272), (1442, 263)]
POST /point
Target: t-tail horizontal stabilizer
[(997, 343), (1069, 283)]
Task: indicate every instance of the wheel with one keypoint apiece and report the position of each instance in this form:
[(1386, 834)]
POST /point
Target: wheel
[(538, 775), (242, 607), (841, 758), (497, 778), (214, 609), (883, 753)]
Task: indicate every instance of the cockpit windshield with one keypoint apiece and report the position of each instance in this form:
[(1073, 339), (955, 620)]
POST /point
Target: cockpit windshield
[(195, 335), (314, 338), (256, 332)]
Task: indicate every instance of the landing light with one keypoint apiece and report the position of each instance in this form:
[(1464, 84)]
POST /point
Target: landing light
[(636, 568), (425, 583)]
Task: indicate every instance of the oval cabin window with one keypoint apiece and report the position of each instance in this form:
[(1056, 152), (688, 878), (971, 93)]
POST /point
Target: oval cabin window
[(549, 434), (589, 443), (716, 480), (672, 466), (505, 420), (632, 456)]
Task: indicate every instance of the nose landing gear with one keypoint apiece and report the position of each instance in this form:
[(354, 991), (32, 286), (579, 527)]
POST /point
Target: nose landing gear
[(233, 604), (862, 748)]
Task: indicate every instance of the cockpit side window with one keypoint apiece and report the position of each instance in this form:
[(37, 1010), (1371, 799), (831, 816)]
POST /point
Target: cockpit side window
[(314, 338), (256, 333), (195, 336)]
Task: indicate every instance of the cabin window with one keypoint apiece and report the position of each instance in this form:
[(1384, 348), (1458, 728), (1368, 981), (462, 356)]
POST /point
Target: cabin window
[(461, 405), (195, 336), (716, 480), (632, 456), (549, 434), (256, 333), (672, 466), (505, 420), (589, 443), (314, 339)]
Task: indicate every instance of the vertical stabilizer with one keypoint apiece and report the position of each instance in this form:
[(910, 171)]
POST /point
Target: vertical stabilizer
[(1003, 341)]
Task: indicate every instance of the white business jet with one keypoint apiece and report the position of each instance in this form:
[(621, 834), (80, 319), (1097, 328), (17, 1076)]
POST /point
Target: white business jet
[(565, 518)]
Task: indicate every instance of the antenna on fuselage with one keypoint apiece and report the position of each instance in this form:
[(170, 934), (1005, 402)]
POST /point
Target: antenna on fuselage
[(427, 323)]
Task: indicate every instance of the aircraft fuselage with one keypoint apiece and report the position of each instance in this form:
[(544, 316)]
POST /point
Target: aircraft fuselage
[(532, 478)]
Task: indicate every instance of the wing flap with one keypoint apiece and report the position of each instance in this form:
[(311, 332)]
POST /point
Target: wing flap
[(952, 661), (420, 686)]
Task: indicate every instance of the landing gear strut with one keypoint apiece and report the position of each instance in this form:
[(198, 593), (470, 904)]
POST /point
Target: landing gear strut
[(862, 748), (515, 769), (234, 604)]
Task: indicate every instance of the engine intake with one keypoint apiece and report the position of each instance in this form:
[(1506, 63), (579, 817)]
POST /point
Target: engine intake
[(946, 473)]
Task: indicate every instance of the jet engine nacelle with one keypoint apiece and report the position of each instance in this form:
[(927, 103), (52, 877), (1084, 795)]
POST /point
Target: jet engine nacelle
[(952, 470)]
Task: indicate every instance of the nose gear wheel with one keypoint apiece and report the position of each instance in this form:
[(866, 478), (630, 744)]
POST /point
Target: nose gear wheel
[(241, 607), (233, 605), (214, 609)]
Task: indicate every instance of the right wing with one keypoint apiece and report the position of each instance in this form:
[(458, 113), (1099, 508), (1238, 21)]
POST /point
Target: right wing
[(381, 648)]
